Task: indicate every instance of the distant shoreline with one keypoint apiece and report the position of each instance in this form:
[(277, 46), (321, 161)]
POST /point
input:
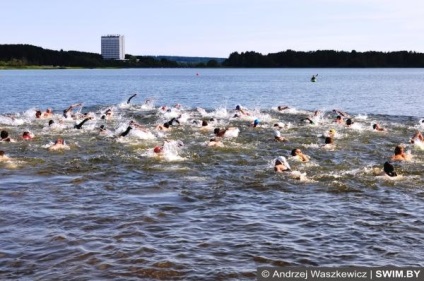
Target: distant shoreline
[(20, 56)]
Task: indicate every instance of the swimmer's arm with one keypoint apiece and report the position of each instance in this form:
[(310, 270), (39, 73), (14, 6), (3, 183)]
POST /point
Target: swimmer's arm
[(130, 98)]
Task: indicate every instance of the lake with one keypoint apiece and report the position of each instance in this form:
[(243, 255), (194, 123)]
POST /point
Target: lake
[(110, 208)]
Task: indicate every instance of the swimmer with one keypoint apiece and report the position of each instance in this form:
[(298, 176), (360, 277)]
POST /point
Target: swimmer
[(341, 113), (221, 132), (400, 154), (104, 132), (102, 129), (417, 137), (255, 123), (349, 122), (328, 142), (4, 137), (67, 112), (205, 126), (107, 115), (174, 121), (130, 98), (281, 164), (38, 114), (281, 108), (48, 113), (389, 170), (280, 125), (241, 110), (169, 147), (158, 149), (309, 120), (278, 137), (299, 154), (215, 142), (376, 127), (164, 108), (79, 126), (126, 132), (59, 144), (135, 125), (164, 127), (339, 119), (3, 157), (27, 135)]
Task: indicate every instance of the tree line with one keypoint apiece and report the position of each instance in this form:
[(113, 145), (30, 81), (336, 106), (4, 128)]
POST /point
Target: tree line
[(326, 58), (22, 55)]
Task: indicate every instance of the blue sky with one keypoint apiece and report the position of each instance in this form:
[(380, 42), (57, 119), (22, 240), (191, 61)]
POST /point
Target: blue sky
[(216, 28)]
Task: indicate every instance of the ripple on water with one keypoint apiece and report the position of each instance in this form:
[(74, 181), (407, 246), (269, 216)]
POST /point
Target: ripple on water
[(112, 209)]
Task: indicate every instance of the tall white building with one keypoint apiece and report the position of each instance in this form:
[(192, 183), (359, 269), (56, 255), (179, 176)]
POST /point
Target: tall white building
[(113, 47)]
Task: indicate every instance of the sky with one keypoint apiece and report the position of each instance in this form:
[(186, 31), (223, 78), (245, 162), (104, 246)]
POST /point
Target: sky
[(216, 28)]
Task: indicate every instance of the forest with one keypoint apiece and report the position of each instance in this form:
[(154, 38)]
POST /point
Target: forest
[(326, 58), (29, 56)]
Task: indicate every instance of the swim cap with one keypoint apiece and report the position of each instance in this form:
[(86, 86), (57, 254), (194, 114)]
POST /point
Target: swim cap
[(238, 107), (389, 169), (157, 149), (277, 134), (256, 122), (332, 131), (4, 134), (283, 161)]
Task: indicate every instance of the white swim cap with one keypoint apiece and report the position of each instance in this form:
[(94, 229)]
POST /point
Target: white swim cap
[(283, 160), (277, 134)]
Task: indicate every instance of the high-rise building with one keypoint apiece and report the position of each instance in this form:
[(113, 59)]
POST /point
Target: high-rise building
[(113, 47)]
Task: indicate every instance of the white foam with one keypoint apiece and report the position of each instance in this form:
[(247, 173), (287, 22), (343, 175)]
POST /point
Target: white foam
[(418, 144), (11, 121), (142, 134), (232, 132), (361, 117)]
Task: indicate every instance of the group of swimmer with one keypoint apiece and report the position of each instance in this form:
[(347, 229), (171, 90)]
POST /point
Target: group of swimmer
[(281, 163), (342, 118), (70, 114)]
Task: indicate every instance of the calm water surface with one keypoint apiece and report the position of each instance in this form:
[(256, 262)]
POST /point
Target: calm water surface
[(110, 209)]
